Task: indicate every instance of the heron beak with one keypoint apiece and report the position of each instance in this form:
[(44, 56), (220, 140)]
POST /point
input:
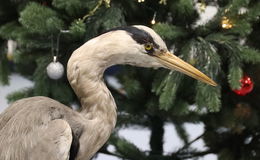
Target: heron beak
[(173, 62)]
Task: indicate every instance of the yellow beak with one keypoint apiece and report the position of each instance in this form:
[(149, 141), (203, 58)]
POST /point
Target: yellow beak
[(175, 63)]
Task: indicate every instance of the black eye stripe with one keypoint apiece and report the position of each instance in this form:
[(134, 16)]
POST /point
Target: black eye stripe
[(139, 35)]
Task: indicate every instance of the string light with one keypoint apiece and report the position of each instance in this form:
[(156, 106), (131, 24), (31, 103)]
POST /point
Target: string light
[(153, 20), (140, 1), (11, 47)]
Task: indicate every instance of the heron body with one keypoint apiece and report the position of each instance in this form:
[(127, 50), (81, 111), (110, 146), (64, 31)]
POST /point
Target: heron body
[(42, 128)]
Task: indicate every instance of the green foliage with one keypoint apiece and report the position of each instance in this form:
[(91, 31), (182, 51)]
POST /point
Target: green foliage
[(117, 20), (254, 12), (235, 73), (9, 30), (62, 92), (168, 92), (23, 93), (42, 82), (127, 149), (78, 29), (4, 70), (184, 11), (250, 55), (241, 27), (169, 32), (74, 7), (40, 19), (133, 88), (208, 96)]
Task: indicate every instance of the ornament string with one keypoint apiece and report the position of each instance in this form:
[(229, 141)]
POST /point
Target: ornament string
[(52, 48), (55, 50), (58, 40)]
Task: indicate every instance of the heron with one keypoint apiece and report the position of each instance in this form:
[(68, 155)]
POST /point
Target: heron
[(42, 128)]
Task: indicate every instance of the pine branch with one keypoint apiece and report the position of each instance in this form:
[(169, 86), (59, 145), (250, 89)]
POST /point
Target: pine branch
[(105, 151), (189, 143), (92, 12), (193, 154)]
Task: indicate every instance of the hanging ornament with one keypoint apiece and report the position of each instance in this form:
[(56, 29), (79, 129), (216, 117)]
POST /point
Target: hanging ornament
[(242, 41), (247, 86), (206, 15), (55, 69), (242, 10), (11, 47), (169, 18), (153, 20), (164, 2), (226, 23)]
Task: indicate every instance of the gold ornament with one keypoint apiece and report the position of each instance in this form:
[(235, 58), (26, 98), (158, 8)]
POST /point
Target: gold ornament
[(202, 6), (226, 23), (164, 2)]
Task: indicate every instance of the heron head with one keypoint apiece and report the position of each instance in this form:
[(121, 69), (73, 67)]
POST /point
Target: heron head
[(145, 48)]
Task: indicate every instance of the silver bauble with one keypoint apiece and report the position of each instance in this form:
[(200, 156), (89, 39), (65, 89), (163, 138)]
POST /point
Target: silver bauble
[(55, 70)]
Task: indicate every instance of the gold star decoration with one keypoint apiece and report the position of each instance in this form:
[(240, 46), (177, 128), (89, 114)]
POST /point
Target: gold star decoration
[(107, 3), (164, 2), (202, 6)]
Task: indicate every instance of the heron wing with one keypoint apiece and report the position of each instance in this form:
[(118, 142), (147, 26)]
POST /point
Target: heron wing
[(50, 142), (53, 142), (36, 129)]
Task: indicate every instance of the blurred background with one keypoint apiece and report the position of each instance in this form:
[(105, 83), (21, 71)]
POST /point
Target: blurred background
[(162, 115)]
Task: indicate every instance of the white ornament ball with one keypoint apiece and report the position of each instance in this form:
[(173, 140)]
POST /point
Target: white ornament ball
[(55, 70), (242, 10)]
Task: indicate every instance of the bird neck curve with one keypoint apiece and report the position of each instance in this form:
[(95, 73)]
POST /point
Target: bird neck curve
[(85, 73)]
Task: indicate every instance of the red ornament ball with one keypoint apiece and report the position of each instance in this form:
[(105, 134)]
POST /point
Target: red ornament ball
[(247, 86)]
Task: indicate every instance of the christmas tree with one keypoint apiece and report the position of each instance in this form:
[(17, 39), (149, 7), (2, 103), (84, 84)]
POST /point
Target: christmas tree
[(41, 34)]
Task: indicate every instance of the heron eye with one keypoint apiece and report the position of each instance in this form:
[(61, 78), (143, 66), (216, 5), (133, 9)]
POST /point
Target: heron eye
[(148, 46)]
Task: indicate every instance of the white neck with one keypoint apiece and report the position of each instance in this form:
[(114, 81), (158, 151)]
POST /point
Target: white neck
[(85, 73)]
